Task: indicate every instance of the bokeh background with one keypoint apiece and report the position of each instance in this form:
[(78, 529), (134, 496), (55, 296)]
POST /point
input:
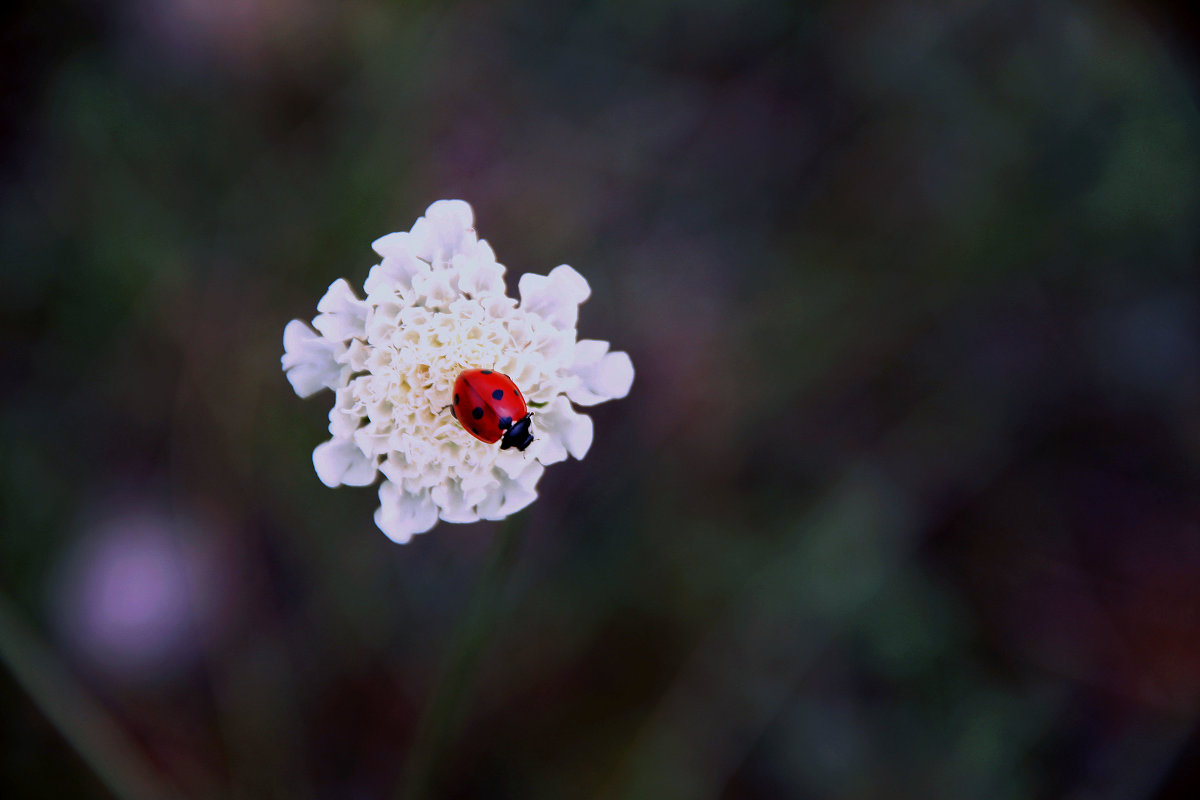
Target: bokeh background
[(904, 503)]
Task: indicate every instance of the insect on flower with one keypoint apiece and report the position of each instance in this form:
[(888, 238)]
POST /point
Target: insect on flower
[(490, 406), (435, 305)]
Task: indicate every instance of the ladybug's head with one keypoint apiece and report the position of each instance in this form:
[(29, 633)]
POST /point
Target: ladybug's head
[(519, 435)]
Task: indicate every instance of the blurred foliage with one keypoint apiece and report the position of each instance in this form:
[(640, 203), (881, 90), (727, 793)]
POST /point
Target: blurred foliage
[(903, 503)]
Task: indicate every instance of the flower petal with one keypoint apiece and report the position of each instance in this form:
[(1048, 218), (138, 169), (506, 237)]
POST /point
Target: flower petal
[(342, 314), (310, 360), (478, 271), (402, 514), (513, 494), (602, 375), (554, 297), (446, 229), (514, 461), (435, 288), (456, 504), (339, 461), (395, 273), (562, 430)]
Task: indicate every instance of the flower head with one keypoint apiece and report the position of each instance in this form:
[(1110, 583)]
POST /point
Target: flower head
[(436, 305)]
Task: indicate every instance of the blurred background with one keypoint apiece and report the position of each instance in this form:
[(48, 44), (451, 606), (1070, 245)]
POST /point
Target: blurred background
[(904, 503)]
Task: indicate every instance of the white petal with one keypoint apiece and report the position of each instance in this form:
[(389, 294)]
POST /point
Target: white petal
[(446, 229), (514, 461), (344, 420), (554, 297), (562, 430), (383, 318), (401, 514), (602, 375), (395, 468), (356, 355), (435, 287), (339, 461), (342, 314), (393, 245), (451, 217), (310, 360), (512, 494), (371, 441), (399, 265), (478, 271), (455, 504)]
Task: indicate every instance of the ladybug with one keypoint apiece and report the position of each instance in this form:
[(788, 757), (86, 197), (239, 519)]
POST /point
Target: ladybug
[(490, 406)]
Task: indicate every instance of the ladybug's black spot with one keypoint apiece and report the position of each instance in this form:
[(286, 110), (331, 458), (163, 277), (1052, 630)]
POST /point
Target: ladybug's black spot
[(505, 423), (453, 412), (477, 413), (498, 394), (486, 371), (456, 398)]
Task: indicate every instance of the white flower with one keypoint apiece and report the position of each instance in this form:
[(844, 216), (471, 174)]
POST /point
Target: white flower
[(436, 305)]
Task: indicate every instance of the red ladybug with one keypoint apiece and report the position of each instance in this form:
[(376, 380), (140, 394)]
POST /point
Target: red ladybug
[(490, 406)]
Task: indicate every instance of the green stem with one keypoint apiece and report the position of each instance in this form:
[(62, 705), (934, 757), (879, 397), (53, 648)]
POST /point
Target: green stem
[(440, 721), (82, 721)]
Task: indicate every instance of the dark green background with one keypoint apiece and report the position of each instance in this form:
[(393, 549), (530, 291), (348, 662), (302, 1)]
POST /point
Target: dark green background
[(904, 501)]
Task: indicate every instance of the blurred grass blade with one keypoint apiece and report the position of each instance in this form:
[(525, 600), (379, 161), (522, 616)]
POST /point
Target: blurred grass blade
[(93, 733)]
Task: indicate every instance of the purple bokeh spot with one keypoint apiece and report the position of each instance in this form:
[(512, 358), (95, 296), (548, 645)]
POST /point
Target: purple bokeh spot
[(132, 596)]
